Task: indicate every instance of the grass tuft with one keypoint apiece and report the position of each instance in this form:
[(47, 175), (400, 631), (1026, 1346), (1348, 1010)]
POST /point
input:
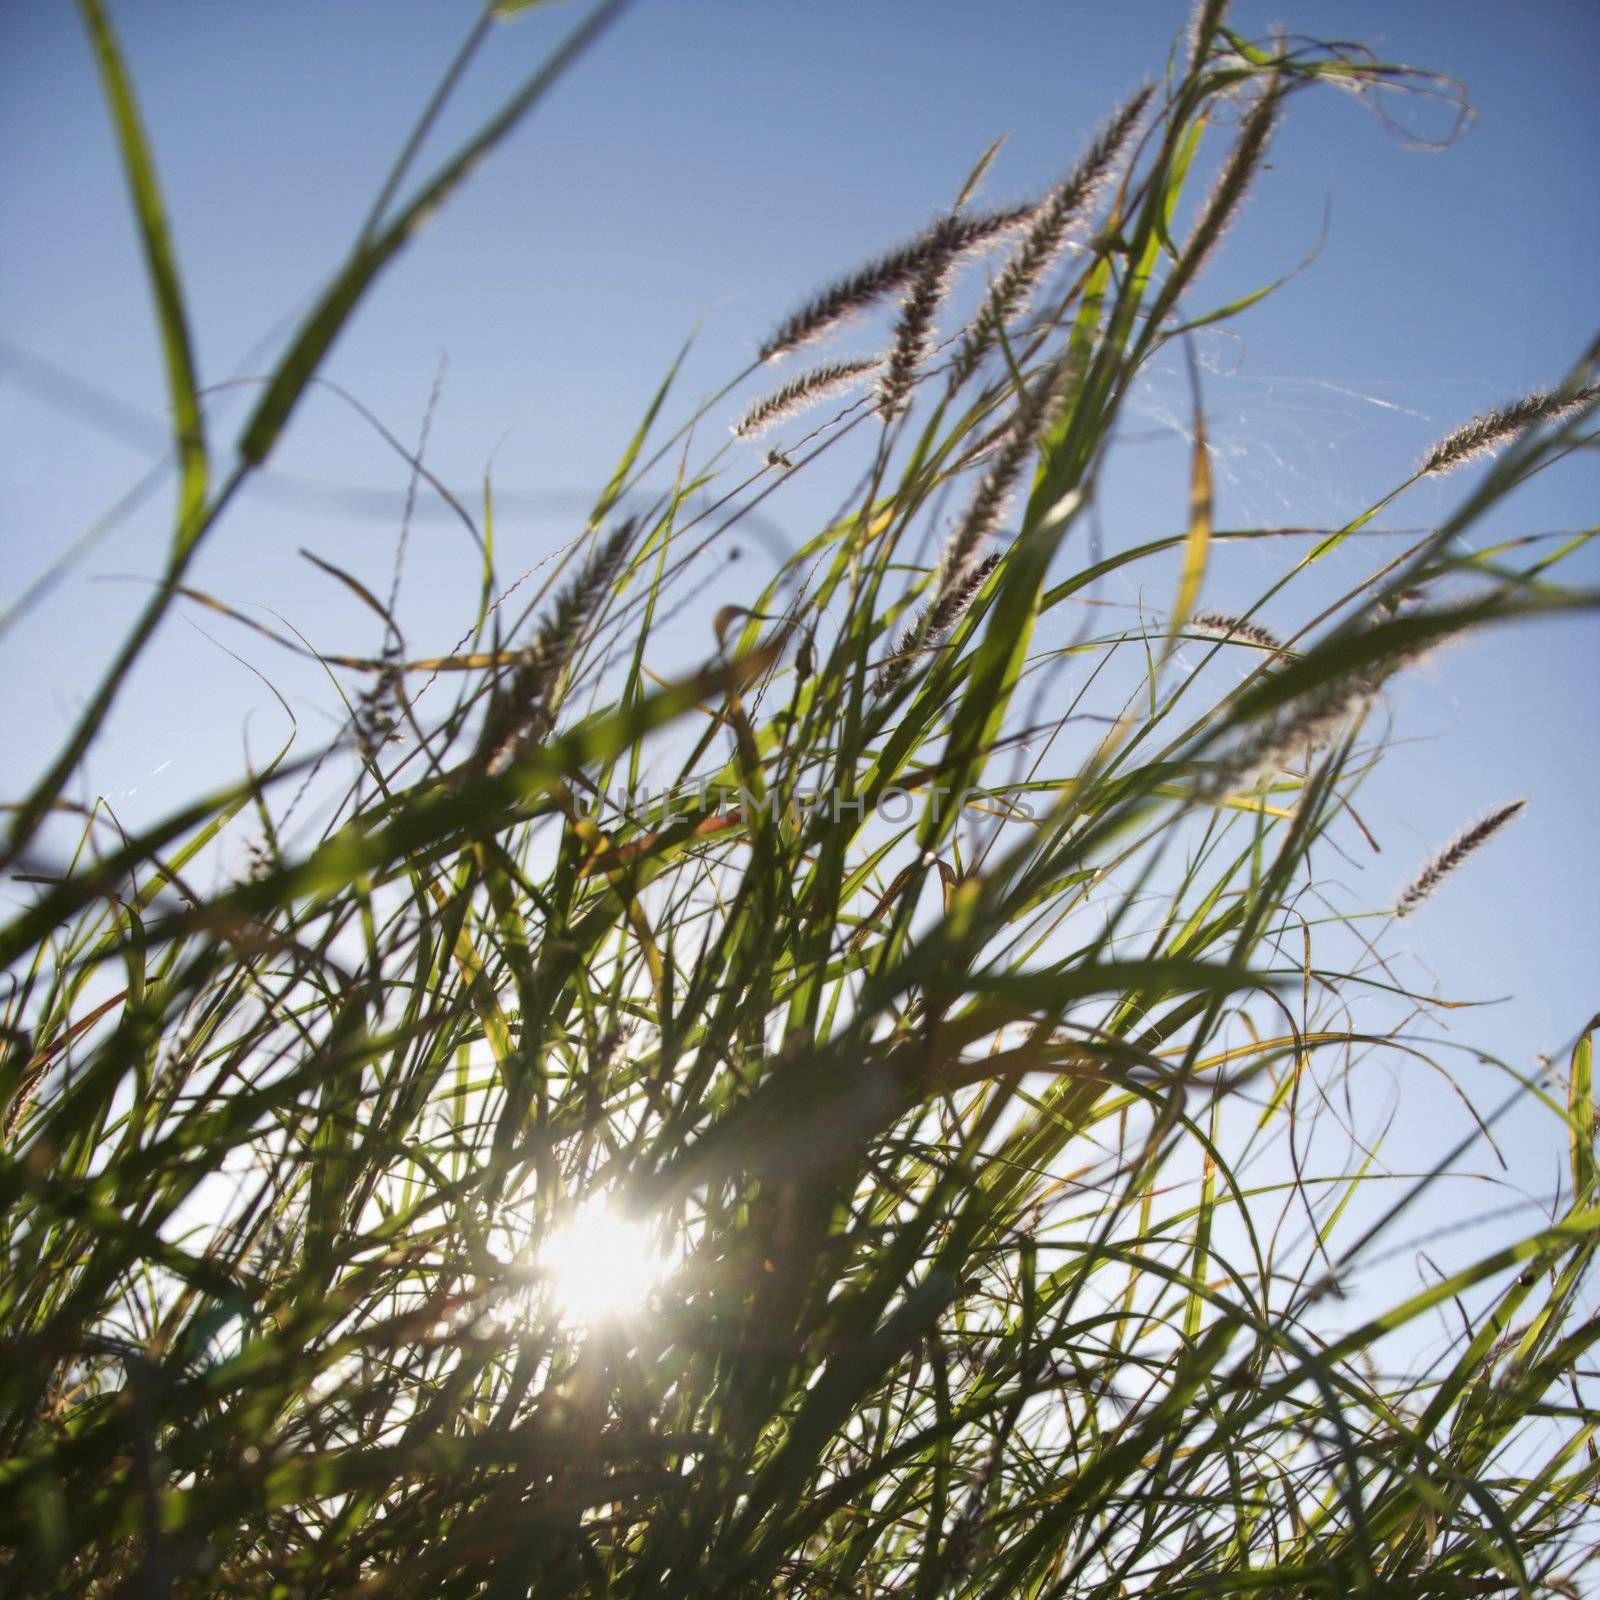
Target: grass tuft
[(851, 1083)]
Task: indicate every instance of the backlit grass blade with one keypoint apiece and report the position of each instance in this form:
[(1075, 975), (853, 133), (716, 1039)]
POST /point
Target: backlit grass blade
[(161, 264)]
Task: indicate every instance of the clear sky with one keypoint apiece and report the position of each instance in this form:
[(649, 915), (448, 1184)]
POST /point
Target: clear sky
[(704, 167)]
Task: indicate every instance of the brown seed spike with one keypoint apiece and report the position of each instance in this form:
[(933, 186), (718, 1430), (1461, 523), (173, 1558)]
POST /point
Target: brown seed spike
[(524, 708), (1203, 25), (1452, 856), (1295, 731), (1244, 161), (1069, 200), (913, 334), (1484, 434), (935, 621), (798, 393), (993, 494), (866, 286), (1219, 625)]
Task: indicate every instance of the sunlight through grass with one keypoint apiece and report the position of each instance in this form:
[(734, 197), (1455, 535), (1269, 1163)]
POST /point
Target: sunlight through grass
[(970, 972), (603, 1264)]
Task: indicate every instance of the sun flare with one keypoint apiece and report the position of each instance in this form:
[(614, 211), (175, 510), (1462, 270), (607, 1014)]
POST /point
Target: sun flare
[(602, 1263)]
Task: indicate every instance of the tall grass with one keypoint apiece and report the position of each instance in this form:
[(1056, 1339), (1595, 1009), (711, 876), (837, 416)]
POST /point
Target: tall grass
[(945, 1027)]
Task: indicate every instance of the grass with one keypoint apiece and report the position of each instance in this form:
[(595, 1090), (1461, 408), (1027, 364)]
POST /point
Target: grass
[(943, 1031)]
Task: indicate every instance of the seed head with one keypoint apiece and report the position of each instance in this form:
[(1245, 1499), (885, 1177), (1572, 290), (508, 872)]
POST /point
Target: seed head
[(1483, 435), (951, 602), (379, 712), (1221, 626), (1298, 730), (913, 333), (1046, 235), (525, 707), (950, 237), (1452, 856), (1233, 183), (798, 393), (1203, 25), (1011, 454)]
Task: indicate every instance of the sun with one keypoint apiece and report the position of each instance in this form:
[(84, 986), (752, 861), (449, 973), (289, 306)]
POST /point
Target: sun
[(602, 1264)]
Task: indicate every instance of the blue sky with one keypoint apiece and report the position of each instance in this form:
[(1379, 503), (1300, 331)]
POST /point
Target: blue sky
[(704, 167)]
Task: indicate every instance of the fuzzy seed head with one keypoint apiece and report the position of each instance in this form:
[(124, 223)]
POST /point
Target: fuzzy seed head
[(809, 389), (1218, 625), (524, 708), (952, 600), (913, 334), (1452, 856), (1046, 236), (947, 237), (1203, 25), (1233, 183), (1011, 455), (1485, 434), (1296, 732)]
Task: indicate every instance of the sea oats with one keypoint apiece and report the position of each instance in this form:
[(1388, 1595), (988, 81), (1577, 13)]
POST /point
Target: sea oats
[(947, 237), (798, 393), (1452, 856), (1484, 434)]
